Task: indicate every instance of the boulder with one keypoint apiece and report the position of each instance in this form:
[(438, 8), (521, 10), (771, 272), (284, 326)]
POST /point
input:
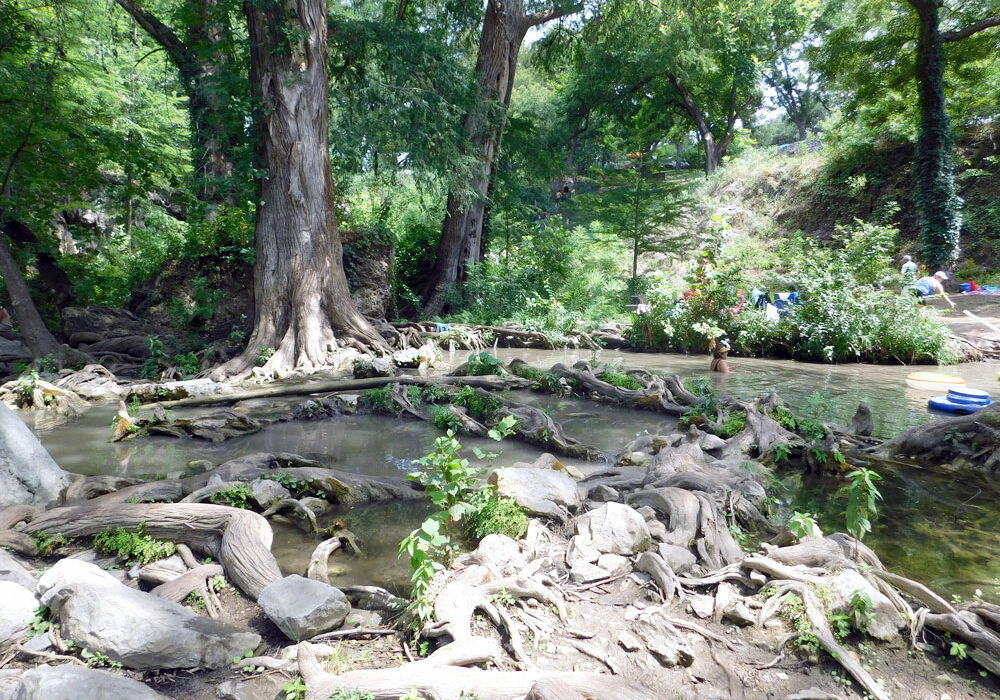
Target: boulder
[(663, 640), (886, 621), (28, 475), (214, 427), (582, 572), (16, 612), (10, 679), (260, 688), (679, 559), (12, 570), (14, 350), (615, 529), (500, 553), (614, 564), (138, 629), (302, 608), (635, 459), (367, 366), (268, 491), (71, 682), (539, 491), (602, 493), (581, 549)]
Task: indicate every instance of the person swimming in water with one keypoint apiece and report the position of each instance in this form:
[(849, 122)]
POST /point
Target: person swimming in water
[(719, 355)]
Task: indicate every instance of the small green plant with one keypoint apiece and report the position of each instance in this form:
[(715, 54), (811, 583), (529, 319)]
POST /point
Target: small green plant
[(840, 623), (284, 478), (264, 353), (484, 363), (443, 418), (862, 499), (495, 514), (502, 597), (862, 612), (133, 546), (218, 583), (782, 451), (733, 423), (195, 601), (295, 689), (793, 611), (237, 496), (449, 481), (97, 659), (348, 694), (959, 650), (41, 621), (187, 364), (47, 544), (380, 400), (803, 525), (616, 376)]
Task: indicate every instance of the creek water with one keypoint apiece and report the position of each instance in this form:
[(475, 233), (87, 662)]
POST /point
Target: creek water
[(934, 526)]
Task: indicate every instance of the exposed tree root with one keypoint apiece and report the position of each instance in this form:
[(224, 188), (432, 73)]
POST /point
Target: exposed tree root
[(240, 539)]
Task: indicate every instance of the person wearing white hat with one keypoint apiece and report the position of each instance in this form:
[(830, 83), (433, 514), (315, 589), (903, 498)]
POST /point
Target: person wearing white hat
[(926, 286), (719, 354)]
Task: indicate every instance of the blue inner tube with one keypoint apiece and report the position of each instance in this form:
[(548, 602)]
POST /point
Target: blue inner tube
[(941, 403), (968, 400), (969, 396)]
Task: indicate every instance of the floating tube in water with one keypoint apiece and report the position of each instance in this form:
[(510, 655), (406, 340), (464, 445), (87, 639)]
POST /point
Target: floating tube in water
[(942, 403), (966, 395), (932, 381)]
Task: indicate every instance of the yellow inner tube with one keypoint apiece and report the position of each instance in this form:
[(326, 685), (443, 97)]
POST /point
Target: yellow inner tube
[(934, 378)]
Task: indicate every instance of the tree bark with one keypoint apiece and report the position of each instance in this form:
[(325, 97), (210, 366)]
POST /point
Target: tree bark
[(939, 207), (57, 281), (36, 335), (301, 293), (462, 235)]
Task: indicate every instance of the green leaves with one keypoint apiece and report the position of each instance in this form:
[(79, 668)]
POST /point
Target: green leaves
[(862, 500)]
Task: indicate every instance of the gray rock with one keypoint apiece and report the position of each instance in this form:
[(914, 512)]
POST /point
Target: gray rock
[(887, 621), (647, 513), (582, 572), (663, 640), (679, 559), (635, 459), (316, 505), (410, 357), (12, 570), (862, 423), (362, 618), (138, 629), (268, 491), (40, 642), (628, 641), (28, 475), (14, 349), (367, 366), (658, 530), (614, 564), (709, 442), (302, 608), (701, 605), (10, 679), (262, 688), (740, 615), (16, 612), (539, 491), (602, 493), (615, 529), (814, 694), (581, 549), (500, 553), (71, 682)]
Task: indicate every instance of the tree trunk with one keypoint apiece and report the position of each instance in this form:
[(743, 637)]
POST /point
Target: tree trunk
[(462, 235), (201, 62), (800, 123), (57, 281), (939, 207), (301, 293), (36, 335)]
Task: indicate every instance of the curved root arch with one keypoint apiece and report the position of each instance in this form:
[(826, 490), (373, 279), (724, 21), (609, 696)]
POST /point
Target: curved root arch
[(240, 539)]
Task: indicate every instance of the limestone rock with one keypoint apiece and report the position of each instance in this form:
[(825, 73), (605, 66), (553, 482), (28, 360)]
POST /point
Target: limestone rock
[(615, 529), (635, 459), (138, 629), (261, 688), (12, 570), (28, 475), (701, 605), (582, 572), (664, 641), (357, 619), (10, 679), (367, 366), (500, 553), (539, 491), (71, 682), (886, 622), (628, 641), (709, 442), (602, 493), (658, 530), (581, 549), (268, 491), (679, 559), (614, 564), (16, 612), (302, 608)]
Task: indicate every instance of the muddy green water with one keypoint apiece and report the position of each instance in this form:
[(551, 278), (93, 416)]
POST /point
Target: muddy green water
[(937, 527)]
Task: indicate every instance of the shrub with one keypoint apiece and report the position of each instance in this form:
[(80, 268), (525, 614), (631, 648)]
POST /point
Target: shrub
[(132, 546), (496, 515)]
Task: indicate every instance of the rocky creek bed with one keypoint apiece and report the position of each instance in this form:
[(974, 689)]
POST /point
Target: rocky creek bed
[(657, 575)]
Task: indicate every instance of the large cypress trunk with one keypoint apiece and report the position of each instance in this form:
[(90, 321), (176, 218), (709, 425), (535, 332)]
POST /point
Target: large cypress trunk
[(462, 233), (939, 207), (36, 335), (302, 300)]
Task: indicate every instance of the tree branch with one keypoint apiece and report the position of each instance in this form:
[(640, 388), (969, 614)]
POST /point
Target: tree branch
[(959, 34), (543, 16), (165, 37)]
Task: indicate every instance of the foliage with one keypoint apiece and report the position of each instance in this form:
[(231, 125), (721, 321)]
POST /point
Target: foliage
[(862, 613), (616, 376), (843, 314), (47, 544), (450, 482), (803, 525), (862, 501), (793, 611), (347, 694), (380, 400), (295, 689), (495, 514), (484, 363), (237, 496), (132, 546)]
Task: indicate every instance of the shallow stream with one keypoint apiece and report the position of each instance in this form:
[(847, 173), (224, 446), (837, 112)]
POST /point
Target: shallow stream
[(937, 527)]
